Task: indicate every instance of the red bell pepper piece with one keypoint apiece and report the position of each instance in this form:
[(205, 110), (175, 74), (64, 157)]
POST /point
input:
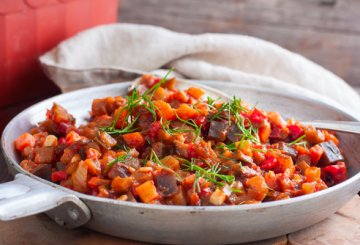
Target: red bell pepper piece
[(58, 176)]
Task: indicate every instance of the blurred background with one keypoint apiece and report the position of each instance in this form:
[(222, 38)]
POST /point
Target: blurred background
[(325, 31)]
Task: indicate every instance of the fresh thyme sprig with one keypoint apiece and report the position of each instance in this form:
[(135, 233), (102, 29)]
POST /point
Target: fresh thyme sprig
[(212, 174), (119, 159), (297, 141), (191, 123), (172, 131)]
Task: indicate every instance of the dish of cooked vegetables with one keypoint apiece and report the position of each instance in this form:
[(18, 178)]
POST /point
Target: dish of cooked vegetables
[(161, 145)]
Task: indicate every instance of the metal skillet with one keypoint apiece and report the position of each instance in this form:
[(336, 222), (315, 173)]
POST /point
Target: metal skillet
[(28, 194)]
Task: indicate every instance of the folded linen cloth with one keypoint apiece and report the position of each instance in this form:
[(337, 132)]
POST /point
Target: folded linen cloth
[(113, 52)]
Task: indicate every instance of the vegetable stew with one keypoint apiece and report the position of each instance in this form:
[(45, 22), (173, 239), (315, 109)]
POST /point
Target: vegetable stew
[(161, 145)]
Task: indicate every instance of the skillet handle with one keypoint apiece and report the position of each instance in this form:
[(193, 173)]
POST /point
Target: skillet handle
[(25, 196)]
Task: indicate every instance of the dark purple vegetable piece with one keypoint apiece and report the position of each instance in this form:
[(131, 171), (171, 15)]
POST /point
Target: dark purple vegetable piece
[(286, 149), (303, 157), (218, 130), (233, 133), (132, 162), (166, 183), (43, 171), (331, 153), (118, 169), (60, 166)]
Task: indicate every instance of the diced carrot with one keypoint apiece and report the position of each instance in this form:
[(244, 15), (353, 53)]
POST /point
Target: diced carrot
[(196, 93), (315, 153), (147, 191), (257, 188), (181, 96), (134, 140), (270, 179), (24, 140), (107, 139), (72, 137), (312, 174), (164, 110), (121, 185), (171, 162), (245, 146), (161, 94), (94, 166), (185, 112), (308, 188)]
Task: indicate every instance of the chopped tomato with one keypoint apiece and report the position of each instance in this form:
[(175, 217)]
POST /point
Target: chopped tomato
[(295, 131), (334, 174)]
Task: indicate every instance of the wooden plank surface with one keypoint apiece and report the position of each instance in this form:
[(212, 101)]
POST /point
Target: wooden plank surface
[(325, 31)]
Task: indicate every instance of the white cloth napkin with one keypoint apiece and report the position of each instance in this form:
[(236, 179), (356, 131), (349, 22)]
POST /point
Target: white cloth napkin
[(102, 54)]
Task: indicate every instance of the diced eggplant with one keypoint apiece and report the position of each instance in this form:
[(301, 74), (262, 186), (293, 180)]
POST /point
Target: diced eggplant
[(233, 133), (160, 149), (118, 169), (166, 183), (303, 157), (331, 153), (132, 162), (43, 171), (60, 166), (218, 130), (286, 149)]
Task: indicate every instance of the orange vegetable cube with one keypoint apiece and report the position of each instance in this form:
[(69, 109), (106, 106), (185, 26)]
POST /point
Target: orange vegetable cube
[(24, 140), (161, 94), (315, 153), (147, 191), (171, 162), (245, 146), (121, 185), (329, 136), (312, 174), (270, 179), (72, 137), (94, 166), (181, 96), (93, 154), (196, 93), (164, 110), (308, 188), (134, 140), (264, 132), (185, 112), (257, 188)]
